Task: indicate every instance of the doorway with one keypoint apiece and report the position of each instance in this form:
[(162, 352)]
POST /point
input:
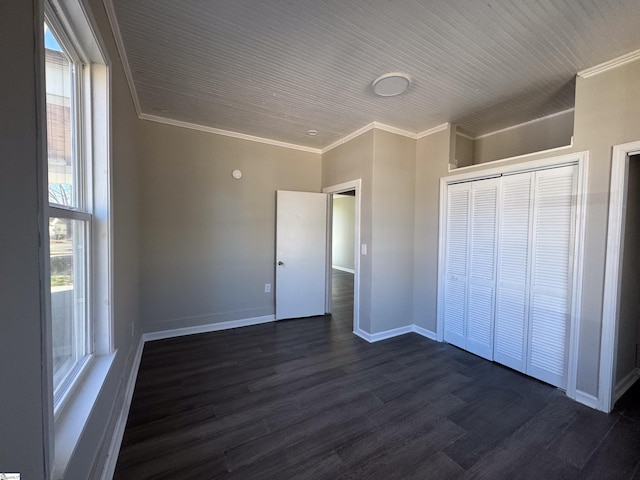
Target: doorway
[(343, 255), (619, 365), (342, 259)]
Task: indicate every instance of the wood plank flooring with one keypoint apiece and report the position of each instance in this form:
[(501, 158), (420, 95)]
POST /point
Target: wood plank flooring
[(306, 399)]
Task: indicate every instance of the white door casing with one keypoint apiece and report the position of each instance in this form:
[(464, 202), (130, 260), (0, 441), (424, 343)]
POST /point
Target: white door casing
[(301, 254)]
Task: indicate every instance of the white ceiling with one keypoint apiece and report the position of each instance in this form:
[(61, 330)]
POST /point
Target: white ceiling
[(277, 68)]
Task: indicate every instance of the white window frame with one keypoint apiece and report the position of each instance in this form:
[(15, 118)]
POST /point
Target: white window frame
[(66, 416), (82, 194)]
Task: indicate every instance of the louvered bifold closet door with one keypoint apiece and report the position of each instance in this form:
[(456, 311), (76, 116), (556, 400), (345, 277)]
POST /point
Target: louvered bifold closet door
[(511, 318), (457, 250), (482, 256), (551, 266)]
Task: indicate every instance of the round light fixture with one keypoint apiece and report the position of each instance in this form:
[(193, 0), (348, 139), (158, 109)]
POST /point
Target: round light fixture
[(312, 133), (237, 174), (391, 84)]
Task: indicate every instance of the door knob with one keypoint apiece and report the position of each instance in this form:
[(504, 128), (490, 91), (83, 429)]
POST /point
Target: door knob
[(280, 263)]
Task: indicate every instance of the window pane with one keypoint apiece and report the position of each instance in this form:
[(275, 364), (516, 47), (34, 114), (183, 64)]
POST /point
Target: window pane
[(68, 295), (60, 122)]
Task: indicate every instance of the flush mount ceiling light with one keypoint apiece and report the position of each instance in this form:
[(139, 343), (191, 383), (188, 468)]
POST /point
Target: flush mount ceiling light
[(312, 133), (391, 84)]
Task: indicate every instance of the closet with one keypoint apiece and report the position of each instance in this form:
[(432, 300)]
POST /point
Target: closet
[(508, 269)]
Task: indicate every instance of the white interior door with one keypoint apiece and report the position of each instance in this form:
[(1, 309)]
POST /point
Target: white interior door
[(551, 267), (482, 255), (512, 314), (301, 254), (457, 264)]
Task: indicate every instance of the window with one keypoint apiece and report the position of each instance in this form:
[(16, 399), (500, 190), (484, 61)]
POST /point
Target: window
[(77, 209), (69, 212)]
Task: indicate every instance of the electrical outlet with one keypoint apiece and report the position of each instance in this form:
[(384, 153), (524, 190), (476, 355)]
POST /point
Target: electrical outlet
[(267, 288)]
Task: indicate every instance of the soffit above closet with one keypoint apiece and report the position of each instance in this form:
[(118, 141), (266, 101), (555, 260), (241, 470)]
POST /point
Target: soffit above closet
[(277, 69)]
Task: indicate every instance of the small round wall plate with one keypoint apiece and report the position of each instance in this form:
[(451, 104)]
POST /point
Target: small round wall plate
[(237, 174)]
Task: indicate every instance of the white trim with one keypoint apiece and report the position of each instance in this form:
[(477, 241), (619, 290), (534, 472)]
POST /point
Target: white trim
[(424, 332), (349, 137), (343, 269), (586, 399), (226, 133), (524, 156), (362, 334), (519, 125), (433, 130), (345, 187), (211, 327), (578, 265), (118, 432), (117, 37), (397, 131), (613, 272), (610, 64), (626, 383), (73, 418), (365, 129), (442, 234), (379, 336)]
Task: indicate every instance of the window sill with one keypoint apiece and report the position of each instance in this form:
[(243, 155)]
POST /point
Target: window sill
[(75, 413)]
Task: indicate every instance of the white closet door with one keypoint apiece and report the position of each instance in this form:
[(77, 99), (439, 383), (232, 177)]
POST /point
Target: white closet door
[(551, 265), (511, 319), (457, 247), (482, 255)]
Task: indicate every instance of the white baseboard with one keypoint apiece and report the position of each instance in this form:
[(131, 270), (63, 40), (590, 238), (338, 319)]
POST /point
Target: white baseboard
[(377, 337), (424, 332), (395, 332), (343, 269), (118, 432), (363, 335), (211, 327), (625, 384), (586, 399)]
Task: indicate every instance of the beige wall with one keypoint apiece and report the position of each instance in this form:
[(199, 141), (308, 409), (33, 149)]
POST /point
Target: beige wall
[(23, 413), (464, 154), (551, 132), (351, 161), (21, 406), (391, 248), (630, 280), (386, 164), (432, 162), (343, 231), (607, 112), (207, 240)]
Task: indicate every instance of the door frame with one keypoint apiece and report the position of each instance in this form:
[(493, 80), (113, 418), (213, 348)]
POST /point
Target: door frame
[(581, 159), (341, 188), (607, 394)]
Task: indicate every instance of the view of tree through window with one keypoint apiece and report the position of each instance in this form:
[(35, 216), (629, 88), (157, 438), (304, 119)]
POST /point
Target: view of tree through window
[(68, 224)]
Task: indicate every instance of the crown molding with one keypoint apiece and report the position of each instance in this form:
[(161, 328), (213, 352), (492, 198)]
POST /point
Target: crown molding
[(610, 65), (227, 133), (397, 131), (433, 130), (117, 36), (346, 138)]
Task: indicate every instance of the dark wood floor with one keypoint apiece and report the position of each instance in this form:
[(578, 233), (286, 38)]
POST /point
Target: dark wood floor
[(306, 399)]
